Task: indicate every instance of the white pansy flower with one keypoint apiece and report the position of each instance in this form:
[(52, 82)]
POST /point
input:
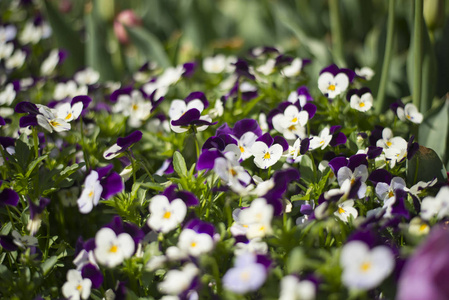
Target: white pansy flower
[(264, 156), (267, 68), (178, 281), (68, 89), (16, 60), (68, 112), (411, 113), (418, 227), (293, 289), (291, 123), (87, 76), (436, 206), (215, 64), (76, 287), (8, 95), (345, 210), (230, 171), (164, 215), (293, 69), (385, 191), (331, 85), (257, 218), (345, 174), (50, 63), (111, 249), (322, 140), (361, 103), (6, 50), (365, 268), (365, 72), (48, 120), (91, 194), (195, 244), (24, 241)]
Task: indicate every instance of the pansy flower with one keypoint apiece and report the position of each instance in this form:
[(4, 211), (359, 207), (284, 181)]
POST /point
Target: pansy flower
[(8, 95), (365, 268), (354, 170), (133, 106), (247, 274), (122, 145), (361, 100), (68, 89), (230, 171), (177, 282), (166, 215), (36, 211), (436, 206), (16, 60), (88, 76), (100, 183), (333, 81), (76, 287), (112, 249), (48, 119), (268, 150), (410, 113), (186, 113), (8, 196), (197, 238), (254, 221), (346, 210), (290, 121), (293, 288), (55, 57)]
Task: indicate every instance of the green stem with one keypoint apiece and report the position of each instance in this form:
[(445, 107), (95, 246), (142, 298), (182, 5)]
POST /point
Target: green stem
[(417, 55), (85, 152), (336, 32), (381, 103), (35, 142)]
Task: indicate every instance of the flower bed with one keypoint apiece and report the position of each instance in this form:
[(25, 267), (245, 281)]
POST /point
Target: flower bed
[(227, 177)]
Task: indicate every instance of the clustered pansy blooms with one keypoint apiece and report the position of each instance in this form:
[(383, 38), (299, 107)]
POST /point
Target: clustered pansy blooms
[(166, 187)]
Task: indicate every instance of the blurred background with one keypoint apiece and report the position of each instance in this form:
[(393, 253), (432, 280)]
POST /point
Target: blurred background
[(116, 37)]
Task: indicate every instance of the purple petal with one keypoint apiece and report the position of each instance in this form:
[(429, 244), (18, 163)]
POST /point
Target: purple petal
[(189, 69), (201, 227), (412, 148), (264, 260), (9, 197), (127, 141), (223, 130), (197, 95), (336, 163), (376, 134), (306, 209), (207, 159), (7, 242), (281, 141), (247, 96), (398, 208), (278, 206), (304, 90), (112, 185), (350, 73), (37, 209), (380, 175), (266, 138), (102, 172), (367, 236), (214, 142), (357, 160), (311, 109), (6, 142), (242, 69), (338, 139), (26, 107), (2, 121), (84, 99), (29, 120), (350, 93), (123, 91), (187, 118), (334, 129), (94, 274), (333, 69), (189, 198), (374, 152), (304, 146)]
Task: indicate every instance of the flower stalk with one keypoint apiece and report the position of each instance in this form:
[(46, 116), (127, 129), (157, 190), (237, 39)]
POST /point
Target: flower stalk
[(417, 55), (381, 100)]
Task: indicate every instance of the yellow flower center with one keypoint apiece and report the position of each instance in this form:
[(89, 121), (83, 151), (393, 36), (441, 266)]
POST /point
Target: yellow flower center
[(423, 227), (241, 149), (365, 266), (390, 194), (341, 210), (331, 87), (113, 249), (233, 172), (267, 155), (389, 144), (362, 104), (167, 215), (295, 119), (292, 127), (79, 287), (322, 142), (54, 123), (193, 244), (91, 194), (135, 107), (68, 116)]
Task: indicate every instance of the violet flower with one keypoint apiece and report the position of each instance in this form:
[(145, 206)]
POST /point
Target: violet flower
[(122, 144)]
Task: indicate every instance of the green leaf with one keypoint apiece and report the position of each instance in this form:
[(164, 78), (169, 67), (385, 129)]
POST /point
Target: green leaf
[(23, 154), (179, 164), (149, 45), (429, 71), (66, 38), (34, 164), (49, 264), (98, 56), (425, 166), (434, 130), (295, 261)]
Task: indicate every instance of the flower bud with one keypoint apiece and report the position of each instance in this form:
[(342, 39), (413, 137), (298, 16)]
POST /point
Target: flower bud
[(434, 13)]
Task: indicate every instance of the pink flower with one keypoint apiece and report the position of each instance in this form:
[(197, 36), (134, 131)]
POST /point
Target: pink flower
[(127, 18)]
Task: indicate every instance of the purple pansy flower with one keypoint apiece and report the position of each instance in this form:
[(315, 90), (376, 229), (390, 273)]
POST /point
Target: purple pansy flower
[(333, 81), (122, 144)]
